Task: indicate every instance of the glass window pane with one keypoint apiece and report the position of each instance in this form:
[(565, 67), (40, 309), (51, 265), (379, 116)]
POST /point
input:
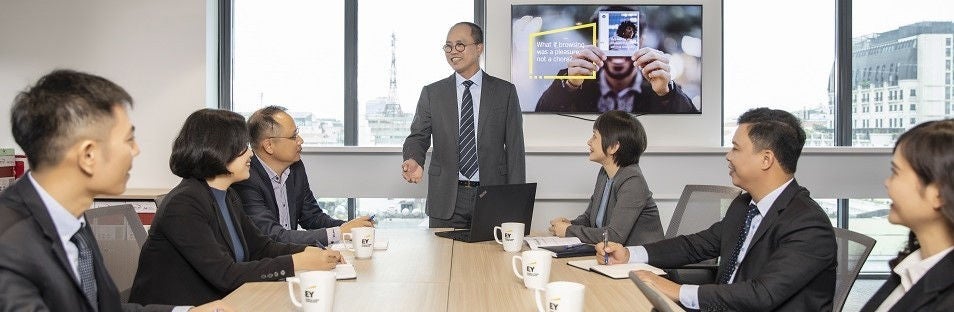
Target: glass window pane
[(335, 207), (899, 48), (785, 67), (398, 54), (394, 212), (870, 217), (290, 54)]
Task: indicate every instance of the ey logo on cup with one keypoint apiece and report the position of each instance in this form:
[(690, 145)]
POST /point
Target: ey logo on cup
[(508, 236), (554, 304), (310, 294), (531, 267), (366, 241)]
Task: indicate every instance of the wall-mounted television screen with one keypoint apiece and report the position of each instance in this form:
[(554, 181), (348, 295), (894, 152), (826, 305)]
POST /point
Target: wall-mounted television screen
[(645, 59)]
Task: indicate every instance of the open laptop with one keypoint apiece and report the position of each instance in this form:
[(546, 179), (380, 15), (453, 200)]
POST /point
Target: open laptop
[(497, 204), (659, 301)]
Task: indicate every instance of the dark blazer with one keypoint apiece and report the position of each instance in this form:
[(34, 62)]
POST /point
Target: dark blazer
[(500, 149), (258, 201), (933, 292), (789, 265), (585, 100), (35, 274), (188, 257), (631, 217)]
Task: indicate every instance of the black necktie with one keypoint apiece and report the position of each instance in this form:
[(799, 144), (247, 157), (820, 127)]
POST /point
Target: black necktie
[(734, 257), (467, 140), (85, 267)]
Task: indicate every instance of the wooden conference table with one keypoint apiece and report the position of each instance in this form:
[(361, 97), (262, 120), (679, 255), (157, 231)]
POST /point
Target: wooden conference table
[(423, 272)]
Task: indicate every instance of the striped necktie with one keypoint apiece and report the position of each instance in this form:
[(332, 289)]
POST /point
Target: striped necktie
[(85, 267), (467, 140), (743, 233)]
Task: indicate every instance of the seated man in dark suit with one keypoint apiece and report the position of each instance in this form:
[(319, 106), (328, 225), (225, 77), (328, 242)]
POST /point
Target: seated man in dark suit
[(777, 246), (277, 196), (76, 132)]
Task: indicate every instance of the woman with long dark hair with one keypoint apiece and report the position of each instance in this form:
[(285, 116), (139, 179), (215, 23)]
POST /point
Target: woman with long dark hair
[(921, 187)]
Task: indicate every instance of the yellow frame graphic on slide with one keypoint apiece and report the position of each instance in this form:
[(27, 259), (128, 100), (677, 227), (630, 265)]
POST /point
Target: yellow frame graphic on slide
[(532, 49)]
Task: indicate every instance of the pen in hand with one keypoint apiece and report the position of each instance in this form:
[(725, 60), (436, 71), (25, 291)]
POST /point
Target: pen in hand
[(606, 243)]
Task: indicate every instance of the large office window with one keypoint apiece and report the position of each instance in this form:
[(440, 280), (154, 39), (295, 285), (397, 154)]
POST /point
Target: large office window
[(290, 54), (786, 67), (903, 52), (397, 55)]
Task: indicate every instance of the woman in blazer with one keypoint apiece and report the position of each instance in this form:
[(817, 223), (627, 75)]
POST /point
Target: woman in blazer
[(201, 245), (921, 187), (622, 204)]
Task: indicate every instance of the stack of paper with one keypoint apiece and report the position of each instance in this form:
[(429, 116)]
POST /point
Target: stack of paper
[(545, 241)]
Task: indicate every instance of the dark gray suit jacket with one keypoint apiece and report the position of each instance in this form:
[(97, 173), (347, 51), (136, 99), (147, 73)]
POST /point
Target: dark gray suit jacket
[(35, 274), (500, 149), (789, 265), (631, 217), (258, 200), (933, 292)]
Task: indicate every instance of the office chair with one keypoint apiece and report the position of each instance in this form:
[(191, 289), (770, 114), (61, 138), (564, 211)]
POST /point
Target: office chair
[(707, 204), (853, 250), (120, 235)]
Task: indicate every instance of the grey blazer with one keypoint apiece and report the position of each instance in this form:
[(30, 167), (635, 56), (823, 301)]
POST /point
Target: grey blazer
[(500, 149), (631, 217)]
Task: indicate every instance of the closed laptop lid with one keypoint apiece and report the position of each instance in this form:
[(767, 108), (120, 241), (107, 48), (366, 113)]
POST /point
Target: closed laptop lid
[(498, 204)]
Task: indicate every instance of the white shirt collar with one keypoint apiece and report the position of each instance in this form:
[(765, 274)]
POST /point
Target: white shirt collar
[(766, 203), (477, 79), (913, 268), (66, 224)]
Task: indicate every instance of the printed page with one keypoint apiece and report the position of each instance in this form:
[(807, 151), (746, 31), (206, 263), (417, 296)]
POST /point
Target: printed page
[(541, 241), (345, 271)]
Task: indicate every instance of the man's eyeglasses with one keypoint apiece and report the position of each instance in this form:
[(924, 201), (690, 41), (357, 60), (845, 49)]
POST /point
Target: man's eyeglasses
[(293, 137), (460, 46)]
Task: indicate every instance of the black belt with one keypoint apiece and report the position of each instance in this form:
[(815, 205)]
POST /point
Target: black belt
[(466, 183)]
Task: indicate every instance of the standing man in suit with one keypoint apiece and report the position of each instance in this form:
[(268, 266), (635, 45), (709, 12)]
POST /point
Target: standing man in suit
[(76, 133), (477, 129), (777, 246), (277, 196)]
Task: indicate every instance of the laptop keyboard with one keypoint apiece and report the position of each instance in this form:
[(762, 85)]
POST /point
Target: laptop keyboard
[(459, 235)]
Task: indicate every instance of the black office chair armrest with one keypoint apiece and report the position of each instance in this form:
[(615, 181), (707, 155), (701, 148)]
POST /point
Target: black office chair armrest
[(695, 274)]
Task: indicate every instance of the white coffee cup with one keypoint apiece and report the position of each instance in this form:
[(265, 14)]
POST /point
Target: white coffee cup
[(561, 297), (534, 268), (512, 236), (362, 240), (316, 288)]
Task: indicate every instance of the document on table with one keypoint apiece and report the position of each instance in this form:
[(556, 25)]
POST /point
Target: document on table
[(617, 271), (544, 241), (345, 271)]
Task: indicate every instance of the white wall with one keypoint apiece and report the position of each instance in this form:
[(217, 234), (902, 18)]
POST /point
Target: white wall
[(156, 50)]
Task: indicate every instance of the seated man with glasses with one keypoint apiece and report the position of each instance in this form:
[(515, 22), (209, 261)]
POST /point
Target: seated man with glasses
[(477, 130), (277, 196)]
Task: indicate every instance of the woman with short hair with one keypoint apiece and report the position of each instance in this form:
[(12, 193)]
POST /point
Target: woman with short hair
[(621, 204)]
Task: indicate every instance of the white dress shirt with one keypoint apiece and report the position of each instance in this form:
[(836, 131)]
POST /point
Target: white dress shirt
[(66, 225), (911, 269)]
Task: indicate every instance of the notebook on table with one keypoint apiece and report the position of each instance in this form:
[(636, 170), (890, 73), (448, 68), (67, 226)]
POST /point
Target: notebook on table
[(497, 204), (616, 271)]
